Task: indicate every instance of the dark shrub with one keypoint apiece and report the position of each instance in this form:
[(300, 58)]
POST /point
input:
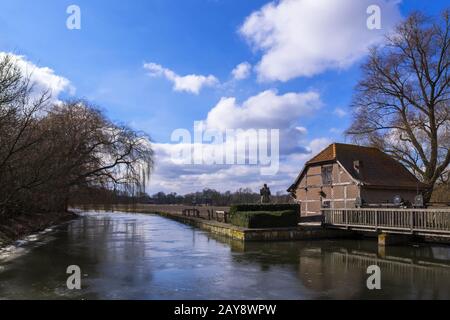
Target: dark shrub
[(265, 219), (265, 207)]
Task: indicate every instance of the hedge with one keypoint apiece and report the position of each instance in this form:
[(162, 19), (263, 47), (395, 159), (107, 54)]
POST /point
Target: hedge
[(265, 219), (264, 207)]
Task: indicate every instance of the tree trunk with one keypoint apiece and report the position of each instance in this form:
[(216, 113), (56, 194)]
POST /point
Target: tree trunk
[(427, 193)]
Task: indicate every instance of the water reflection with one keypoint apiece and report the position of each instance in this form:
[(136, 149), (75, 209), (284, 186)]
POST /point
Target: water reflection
[(337, 269), (149, 257)]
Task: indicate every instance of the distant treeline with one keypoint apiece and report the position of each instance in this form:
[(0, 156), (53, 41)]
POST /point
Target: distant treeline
[(51, 150), (214, 197), (205, 197)]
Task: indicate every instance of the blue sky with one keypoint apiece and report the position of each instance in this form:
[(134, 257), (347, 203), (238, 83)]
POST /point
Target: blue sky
[(292, 47)]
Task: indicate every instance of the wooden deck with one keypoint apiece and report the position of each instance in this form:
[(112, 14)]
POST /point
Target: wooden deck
[(426, 222)]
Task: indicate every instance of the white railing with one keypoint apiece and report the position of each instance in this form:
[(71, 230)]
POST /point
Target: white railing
[(411, 220)]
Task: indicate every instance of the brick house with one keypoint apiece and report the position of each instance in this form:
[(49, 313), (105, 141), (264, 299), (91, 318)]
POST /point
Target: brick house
[(343, 175)]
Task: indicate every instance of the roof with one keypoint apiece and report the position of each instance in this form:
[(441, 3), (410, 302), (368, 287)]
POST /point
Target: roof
[(378, 168)]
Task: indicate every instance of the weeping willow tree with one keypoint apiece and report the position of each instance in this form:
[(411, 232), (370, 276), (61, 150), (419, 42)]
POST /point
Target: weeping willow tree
[(50, 150), (98, 153)]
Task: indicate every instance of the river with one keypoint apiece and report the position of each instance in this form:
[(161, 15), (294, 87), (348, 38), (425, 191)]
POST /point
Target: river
[(137, 256)]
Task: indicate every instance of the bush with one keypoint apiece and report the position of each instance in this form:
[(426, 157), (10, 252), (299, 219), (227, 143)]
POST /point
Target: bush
[(265, 219), (264, 207)]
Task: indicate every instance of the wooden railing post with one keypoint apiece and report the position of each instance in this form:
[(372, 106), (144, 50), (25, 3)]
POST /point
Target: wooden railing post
[(346, 218), (376, 220)]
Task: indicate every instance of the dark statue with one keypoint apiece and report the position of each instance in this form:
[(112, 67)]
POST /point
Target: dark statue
[(265, 194)]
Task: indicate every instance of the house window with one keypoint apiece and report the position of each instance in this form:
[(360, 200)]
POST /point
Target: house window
[(327, 175), (326, 204)]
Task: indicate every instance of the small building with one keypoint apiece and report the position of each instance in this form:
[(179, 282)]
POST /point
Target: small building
[(347, 176)]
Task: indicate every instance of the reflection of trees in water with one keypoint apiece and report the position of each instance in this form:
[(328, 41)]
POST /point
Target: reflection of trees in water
[(111, 251), (111, 244), (337, 269), (41, 272)]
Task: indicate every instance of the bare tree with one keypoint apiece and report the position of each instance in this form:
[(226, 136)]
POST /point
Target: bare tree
[(91, 150), (48, 151), (19, 117), (401, 104)]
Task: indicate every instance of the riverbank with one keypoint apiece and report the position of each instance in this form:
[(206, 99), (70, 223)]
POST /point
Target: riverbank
[(304, 231), (312, 231), (18, 227), (175, 209), (301, 232)]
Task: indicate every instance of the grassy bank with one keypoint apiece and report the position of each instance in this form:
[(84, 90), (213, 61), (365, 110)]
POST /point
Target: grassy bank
[(20, 226)]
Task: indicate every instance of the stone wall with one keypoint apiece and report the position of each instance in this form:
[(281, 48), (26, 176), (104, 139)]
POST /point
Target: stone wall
[(273, 234)]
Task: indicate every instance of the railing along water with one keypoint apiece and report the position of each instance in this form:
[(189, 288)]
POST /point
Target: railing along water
[(404, 220)]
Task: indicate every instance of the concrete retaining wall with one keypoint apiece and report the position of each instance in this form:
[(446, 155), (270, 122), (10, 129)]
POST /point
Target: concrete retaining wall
[(276, 234)]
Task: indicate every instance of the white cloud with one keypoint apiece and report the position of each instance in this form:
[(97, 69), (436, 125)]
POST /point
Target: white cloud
[(171, 177), (267, 110), (264, 110), (43, 78), (318, 145), (190, 83), (302, 130), (307, 37), (341, 113), (242, 71), (336, 130)]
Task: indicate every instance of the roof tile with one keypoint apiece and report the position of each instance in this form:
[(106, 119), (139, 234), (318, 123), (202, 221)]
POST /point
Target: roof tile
[(378, 168)]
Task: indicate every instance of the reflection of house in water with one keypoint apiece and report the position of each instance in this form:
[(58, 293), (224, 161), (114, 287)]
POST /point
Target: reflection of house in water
[(336, 271), (328, 278)]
